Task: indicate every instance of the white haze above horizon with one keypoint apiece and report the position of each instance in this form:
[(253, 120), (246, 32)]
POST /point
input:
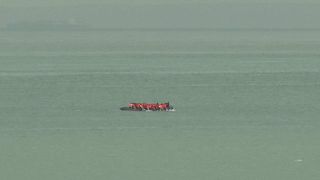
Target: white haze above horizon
[(166, 13)]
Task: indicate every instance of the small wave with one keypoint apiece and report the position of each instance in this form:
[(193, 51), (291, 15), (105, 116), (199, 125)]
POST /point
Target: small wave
[(151, 127), (12, 73)]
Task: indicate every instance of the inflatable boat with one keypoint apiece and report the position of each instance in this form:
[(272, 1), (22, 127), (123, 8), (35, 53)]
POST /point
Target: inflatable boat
[(148, 107)]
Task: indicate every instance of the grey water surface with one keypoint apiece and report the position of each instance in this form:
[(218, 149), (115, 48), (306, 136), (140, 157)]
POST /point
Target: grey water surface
[(248, 104)]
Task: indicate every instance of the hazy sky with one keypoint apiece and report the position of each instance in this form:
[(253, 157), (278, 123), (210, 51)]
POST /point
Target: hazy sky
[(167, 13), (14, 3)]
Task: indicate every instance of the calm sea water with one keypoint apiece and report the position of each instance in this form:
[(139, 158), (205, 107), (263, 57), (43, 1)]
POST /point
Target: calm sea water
[(248, 105)]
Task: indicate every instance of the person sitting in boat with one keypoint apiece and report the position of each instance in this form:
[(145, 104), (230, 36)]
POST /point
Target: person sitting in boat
[(155, 107), (132, 105), (162, 107), (149, 106)]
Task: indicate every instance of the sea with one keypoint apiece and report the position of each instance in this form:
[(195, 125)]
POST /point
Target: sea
[(247, 104)]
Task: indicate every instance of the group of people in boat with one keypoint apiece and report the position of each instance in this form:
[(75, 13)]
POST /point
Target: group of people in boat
[(152, 107)]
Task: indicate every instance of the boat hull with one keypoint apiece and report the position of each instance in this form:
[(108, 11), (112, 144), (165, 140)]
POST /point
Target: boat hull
[(146, 110)]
